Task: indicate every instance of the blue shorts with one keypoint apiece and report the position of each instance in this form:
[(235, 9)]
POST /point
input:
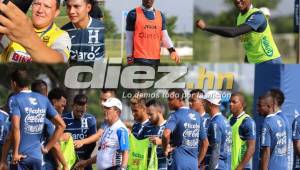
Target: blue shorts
[(27, 163)]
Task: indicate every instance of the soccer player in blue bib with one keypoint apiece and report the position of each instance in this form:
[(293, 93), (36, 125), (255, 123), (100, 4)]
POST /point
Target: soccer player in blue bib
[(219, 134), (138, 108), (273, 141), (86, 33), (28, 111), (81, 125), (183, 131)]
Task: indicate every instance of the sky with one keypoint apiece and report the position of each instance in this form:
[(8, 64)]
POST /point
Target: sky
[(183, 9), (285, 7)]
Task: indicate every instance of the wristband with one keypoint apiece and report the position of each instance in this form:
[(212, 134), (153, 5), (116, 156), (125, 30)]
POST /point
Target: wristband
[(172, 49), (130, 59)]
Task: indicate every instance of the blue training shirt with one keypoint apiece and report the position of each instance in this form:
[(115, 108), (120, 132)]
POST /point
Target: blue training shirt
[(87, 44), (32, 108), (187, 129), (81, 129), (206, 120), (274, 135), (296, 137), (138, 128), (153, 130), (289, 137), (131, 18), (219, 132), (4, 126), (257, 21), (48, 159)]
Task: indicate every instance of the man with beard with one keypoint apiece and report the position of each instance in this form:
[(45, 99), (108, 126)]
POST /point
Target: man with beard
[(81, 125), (154, 132), (139, 112)]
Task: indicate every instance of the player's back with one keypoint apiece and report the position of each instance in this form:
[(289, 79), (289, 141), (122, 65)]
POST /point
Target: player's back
[(188, 122), (186, 126), (219, 132), (32, 109), (278, 149)]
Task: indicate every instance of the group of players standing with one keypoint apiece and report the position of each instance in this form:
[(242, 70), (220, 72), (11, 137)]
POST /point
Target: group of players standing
[(198, 136)]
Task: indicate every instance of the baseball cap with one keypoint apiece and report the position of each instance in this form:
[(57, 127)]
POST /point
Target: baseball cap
[(213, 97), (113, 102)]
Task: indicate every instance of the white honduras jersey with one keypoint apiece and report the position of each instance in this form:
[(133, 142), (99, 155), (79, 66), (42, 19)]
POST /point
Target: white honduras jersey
[(114, 140)]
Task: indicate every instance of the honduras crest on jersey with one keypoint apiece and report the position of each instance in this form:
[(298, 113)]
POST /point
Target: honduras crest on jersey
[(88, 43)]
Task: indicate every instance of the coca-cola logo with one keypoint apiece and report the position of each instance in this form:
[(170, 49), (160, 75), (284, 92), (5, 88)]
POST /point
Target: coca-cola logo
[(194, 133), (34, 118)]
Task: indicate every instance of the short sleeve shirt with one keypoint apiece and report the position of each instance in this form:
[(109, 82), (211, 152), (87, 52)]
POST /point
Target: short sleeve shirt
[(81, 129), (32, 108)]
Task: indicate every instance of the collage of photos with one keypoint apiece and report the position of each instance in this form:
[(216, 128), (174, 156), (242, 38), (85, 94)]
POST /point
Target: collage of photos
[(149, 85)]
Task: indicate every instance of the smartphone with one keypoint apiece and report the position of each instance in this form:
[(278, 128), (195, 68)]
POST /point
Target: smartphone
[(24, 5), (21, 4)]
